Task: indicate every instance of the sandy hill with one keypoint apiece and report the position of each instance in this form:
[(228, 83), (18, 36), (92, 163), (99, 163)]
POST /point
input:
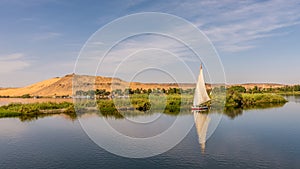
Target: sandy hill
[(62, 86), (32, 89)]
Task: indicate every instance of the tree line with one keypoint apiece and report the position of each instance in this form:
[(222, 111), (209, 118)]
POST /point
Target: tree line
[(103, 93)]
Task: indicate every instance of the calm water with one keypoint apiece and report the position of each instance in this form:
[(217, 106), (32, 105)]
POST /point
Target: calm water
[(266, 138)]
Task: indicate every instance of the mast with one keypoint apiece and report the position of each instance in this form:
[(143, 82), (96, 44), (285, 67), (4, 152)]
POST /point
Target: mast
[(201, 95)]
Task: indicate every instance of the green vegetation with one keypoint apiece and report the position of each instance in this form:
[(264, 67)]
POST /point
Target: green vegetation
[(144, 103), (285, 90), (237, 97), (257, 99), (25, 96), (103, 94), (34, 109), (140, 101)]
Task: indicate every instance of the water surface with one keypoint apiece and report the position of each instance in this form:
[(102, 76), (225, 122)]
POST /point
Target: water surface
[(258, 138)]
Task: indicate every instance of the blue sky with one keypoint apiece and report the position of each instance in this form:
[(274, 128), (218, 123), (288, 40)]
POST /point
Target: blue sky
[(258, 41)]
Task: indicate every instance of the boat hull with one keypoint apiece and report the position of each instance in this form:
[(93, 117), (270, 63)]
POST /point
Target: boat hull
[(203, 108)]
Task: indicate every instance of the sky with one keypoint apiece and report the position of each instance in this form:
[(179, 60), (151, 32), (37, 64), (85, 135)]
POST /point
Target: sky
[(257, 41)]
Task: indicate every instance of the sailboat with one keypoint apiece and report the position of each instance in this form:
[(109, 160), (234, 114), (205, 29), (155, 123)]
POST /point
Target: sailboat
[(200, 95)]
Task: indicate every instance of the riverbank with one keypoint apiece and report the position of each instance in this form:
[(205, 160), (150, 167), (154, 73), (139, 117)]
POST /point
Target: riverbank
[(171, 104), (238, 97), (34, 109)]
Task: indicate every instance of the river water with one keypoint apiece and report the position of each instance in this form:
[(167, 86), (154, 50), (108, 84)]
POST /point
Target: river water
[(258, 138)]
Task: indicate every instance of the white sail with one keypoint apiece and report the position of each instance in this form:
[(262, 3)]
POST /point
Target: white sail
[(201, 123), (201, 95)]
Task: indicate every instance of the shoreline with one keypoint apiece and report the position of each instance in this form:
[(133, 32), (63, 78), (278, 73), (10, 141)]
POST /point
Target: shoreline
[(140, 103)]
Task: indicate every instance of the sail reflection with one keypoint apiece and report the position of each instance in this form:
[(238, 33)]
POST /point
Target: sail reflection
[(201, 123)]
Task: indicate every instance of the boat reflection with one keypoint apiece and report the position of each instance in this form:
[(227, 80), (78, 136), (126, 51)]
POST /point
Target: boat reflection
[(201, 123)]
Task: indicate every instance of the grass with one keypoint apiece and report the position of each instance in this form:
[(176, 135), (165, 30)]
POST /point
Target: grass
[(6, 113), (257, 99), (33, 109), (144, 103), (171, 104)]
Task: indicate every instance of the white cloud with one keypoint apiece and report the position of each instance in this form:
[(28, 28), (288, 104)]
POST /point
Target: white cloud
[(141, 43), (248, 23), (137, 53), (234, 25), (13, 62), (46, 36), (235, 29), (27, 19), (11, 56)]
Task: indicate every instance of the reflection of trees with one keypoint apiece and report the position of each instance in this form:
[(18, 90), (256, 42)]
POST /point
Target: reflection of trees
[(120, 114), (173, 107), (24, 118), (265, 106), (32, 117), (233, 112), (170, 110)]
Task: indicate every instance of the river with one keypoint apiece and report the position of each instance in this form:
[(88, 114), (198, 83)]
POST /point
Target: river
[(257, 138)]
